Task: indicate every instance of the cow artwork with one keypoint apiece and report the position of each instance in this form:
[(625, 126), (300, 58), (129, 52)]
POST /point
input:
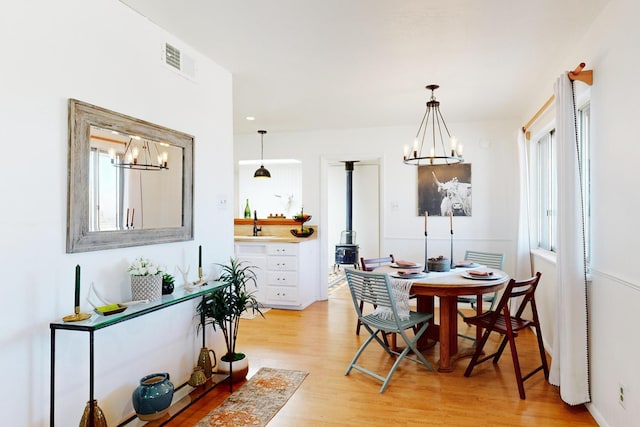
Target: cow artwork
[(443, 189)]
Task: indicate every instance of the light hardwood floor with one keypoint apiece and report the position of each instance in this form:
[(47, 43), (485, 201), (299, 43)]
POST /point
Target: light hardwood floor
[(322, 341)]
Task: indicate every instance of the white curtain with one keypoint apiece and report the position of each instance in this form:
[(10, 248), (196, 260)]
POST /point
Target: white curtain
[(523, 244), (570, 364)]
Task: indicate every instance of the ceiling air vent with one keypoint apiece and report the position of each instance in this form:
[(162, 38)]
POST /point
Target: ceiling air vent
[(178, 61)]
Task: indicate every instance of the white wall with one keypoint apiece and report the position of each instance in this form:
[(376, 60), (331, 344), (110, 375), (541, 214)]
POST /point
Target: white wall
[(103, 53), (490, 147)]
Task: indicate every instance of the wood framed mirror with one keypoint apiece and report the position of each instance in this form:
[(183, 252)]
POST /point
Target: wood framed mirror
[(130, 182)]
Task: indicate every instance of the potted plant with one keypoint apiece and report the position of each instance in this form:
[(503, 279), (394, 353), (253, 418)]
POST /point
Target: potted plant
[(146, 280), (223, 307)]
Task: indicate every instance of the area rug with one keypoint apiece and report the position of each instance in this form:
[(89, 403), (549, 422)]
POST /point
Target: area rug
[(257, 401), (337, 279), (250, 314)]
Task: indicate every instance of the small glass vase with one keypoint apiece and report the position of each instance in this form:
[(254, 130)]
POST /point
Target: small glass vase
[(99, 419)]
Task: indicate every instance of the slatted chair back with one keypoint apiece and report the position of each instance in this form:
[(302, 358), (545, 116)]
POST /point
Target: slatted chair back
[(492, 260), (373, 263), (371, 288)]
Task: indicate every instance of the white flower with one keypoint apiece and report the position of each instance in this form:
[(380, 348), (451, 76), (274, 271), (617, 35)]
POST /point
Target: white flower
[(143, 267)]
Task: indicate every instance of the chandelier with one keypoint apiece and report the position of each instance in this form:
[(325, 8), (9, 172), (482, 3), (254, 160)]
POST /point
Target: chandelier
[(141, 154), (430, 146), (262, 172)]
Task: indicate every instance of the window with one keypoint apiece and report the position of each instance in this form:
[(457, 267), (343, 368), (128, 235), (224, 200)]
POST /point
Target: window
[(547, 184), (584, 126), (547, 190), (105, 199)]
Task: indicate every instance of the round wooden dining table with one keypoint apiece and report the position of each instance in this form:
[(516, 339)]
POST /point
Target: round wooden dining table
[(448, 286)]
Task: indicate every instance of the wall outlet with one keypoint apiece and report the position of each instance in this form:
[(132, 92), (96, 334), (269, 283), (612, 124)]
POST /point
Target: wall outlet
[(622, 395)]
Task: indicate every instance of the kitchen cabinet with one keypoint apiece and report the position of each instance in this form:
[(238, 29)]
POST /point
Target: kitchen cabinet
[(287, 273)]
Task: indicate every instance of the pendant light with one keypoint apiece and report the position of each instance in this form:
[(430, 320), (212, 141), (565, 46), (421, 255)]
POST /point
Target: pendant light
[(435, 152), (262, 172)]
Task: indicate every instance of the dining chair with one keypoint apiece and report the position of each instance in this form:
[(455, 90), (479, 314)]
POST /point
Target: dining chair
[(370, 265), (392, 315), (501, 320), (491, 260)]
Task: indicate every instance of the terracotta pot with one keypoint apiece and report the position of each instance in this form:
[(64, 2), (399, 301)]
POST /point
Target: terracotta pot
[(240, 368)]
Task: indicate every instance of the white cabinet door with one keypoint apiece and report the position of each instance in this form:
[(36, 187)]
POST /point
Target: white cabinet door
[(255, 255), (287, 273)]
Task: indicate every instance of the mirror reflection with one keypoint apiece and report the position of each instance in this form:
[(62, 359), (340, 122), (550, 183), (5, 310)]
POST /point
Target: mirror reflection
[(134, 182), (130, 181)]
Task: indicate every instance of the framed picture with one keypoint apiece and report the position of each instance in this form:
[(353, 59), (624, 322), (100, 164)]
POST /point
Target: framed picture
[(443, 189)]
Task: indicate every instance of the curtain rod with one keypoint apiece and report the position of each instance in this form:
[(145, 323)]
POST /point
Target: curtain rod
[(580, 74)]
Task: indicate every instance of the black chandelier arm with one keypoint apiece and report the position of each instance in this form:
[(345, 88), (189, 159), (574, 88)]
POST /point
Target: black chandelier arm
[(433, 116), (435, 160), (141, 166)]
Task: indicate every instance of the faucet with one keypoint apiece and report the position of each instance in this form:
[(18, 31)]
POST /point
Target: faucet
[(256, 229)]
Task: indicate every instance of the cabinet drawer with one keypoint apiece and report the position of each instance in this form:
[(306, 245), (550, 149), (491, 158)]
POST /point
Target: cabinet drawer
[(289, 263), (284, 278), (282, 249), (282, 295), (250, 249)]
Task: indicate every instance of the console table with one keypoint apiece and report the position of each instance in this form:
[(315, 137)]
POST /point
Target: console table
[(97, 322)]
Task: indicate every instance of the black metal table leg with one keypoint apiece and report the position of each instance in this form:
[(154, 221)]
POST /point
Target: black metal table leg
[(52, 386)]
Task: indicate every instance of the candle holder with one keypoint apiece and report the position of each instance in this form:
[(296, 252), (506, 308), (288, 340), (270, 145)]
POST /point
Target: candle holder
[(201, 279), (452, 263), (76, 316), (426, 257)]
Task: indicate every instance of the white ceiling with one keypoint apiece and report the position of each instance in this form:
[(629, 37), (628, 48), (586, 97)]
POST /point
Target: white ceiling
[(332, 64)]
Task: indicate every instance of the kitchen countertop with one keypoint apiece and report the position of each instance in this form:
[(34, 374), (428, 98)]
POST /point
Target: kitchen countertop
[(276, 239)]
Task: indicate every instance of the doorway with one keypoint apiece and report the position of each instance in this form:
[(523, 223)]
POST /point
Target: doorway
[(365, 208)]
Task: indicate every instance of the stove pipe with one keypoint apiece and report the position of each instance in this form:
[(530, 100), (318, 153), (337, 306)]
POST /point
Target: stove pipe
[(348, 166)]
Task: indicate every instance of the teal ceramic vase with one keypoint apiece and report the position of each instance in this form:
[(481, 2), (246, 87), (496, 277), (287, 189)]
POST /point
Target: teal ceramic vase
[(153, 396)]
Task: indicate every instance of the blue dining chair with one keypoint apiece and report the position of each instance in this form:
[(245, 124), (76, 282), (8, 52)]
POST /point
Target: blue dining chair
[(491, 260), (392, 315)]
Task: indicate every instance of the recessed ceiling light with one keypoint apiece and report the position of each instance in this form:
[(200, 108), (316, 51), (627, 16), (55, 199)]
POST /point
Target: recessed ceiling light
[(250, 118)]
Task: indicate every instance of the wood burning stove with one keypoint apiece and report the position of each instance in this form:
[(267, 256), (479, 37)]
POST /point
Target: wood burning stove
[(347, 249)]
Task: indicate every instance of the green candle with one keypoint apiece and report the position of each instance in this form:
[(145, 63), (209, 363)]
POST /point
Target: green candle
[(200, 256), (77, 298)]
